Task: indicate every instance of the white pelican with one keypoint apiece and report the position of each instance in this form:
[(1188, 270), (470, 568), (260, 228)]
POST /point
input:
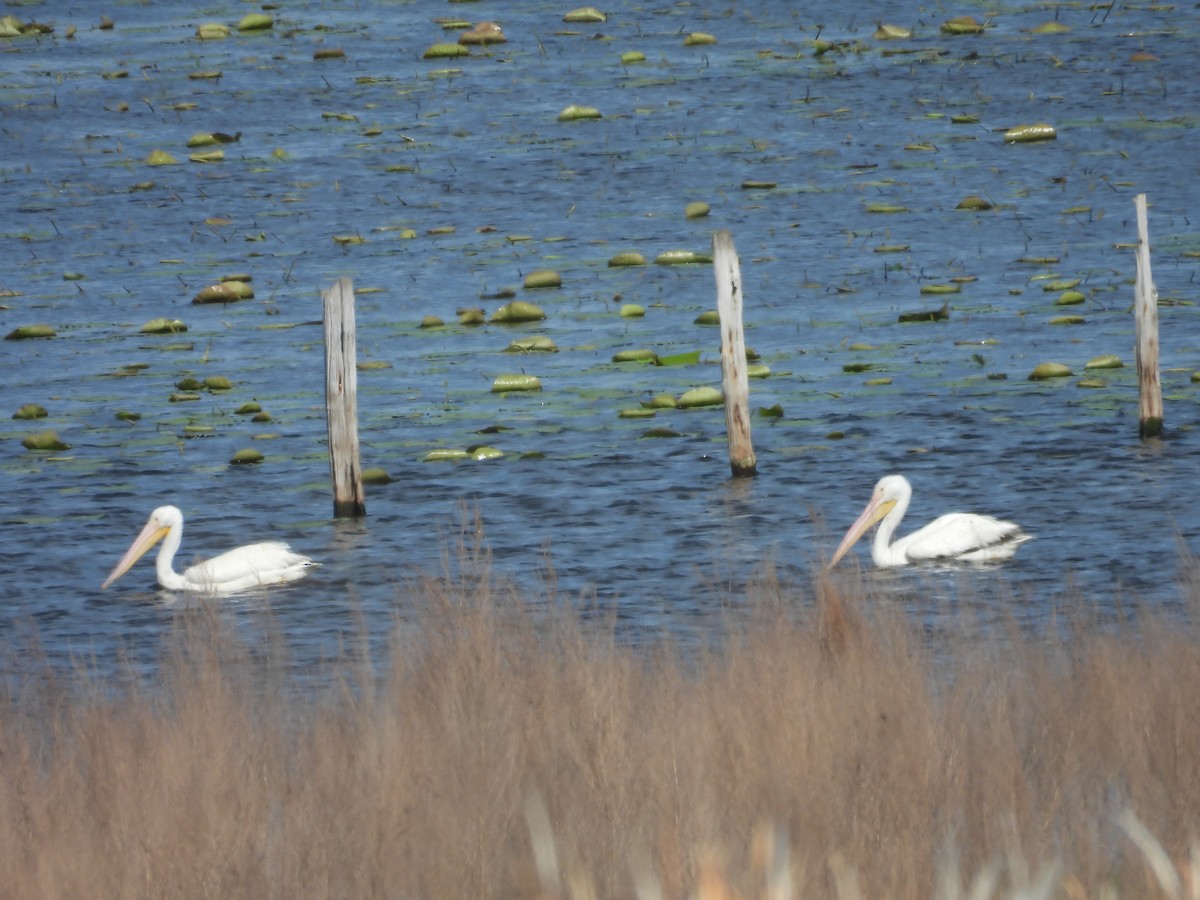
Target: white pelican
[(271, 562), (954, 536)]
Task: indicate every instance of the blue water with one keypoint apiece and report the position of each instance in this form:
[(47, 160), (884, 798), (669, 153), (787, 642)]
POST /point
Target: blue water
[(652, 527)]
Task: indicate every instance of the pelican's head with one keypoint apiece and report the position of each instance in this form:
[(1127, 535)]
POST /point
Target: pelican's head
[(160, 523), (889, 491)]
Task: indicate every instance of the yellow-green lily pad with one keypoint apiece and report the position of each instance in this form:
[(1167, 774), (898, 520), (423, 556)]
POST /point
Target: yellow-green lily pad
[(542, 278), (585, 15), (518, 311), (44, 440), (244, 457), (640, 355), (697, 209), (1043, 371), (515, 382), (1105, 361), (632, 311), (375, 476), (255, 22), (445, 51), (445, 454), (30, 411), (701, 396), (1028, 134), (575, 112), (29, 332), (626, 259), (163, 326), (708, 317)]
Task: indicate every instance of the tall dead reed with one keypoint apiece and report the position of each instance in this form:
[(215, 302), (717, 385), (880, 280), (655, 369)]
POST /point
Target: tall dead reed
[(824, 747)]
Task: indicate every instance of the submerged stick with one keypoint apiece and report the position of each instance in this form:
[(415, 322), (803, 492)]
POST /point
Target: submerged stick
[(341, 400), (734, 380), (1145, 301)]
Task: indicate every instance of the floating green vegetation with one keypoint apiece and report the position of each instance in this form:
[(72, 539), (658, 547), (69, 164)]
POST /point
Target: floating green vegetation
[(771, 412), (346, 240), (855, 368), (224, 292), (697, 209), (891, 33), (445, 51), (484, 453), (1028, 134), (574, 112), (1051, 28), (1044, 371), (640, 355), (941, 288), (330, 53), (375, 476), (218, 383), (30, 332), (1067, 320), (893, 248), (30, 411), (42, 441), (208, 156), (974, 203), (212, 138), (248, 408), (962, 25), (626, 259), (688, 358), (699, 39), (431, 322), (538, 343), (927, 315), (754, 184), (639, 413), (163, 326), (681, 258), (661, 432), (630, 57), (758, 370), (1070, 298), (445, 454), (881, 208), (632, 311), (471, 315), (255, 22), (586, 15), (213, 31), (700, 396), (1105, 361), (515, 382), (518, 311), (964, 119), (247, 456), (709, 317), (542, 278), (660, 401), (127, 416), (184, 397)]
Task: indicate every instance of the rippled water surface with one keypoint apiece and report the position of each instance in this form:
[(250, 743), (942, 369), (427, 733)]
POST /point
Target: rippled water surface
[(460, 180)]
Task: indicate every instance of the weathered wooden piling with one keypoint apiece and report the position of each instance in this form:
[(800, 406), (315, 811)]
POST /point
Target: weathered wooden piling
[(734, 381), (1145, 302), (341, 400)]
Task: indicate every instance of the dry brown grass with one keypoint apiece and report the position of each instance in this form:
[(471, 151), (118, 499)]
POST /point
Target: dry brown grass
[(827, 748)]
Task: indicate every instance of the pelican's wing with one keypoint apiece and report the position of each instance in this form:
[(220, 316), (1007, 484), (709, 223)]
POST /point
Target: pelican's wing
[(963, 536), (270, 562)]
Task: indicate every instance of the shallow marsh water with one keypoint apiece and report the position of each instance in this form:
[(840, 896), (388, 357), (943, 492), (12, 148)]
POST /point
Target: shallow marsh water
[(469, 155)]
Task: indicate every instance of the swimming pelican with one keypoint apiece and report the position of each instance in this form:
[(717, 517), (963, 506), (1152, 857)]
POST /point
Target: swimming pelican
[(954, 536), (271, 562)]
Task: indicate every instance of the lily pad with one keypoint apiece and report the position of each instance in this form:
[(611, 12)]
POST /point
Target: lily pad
[(1027, 134), (245, 457), (538, 343), (1106, 361), (218, 383), (445, 51), (1070, 298), (891, 33), (627, 259), (699, 39), (44, 440), (632, 311), (162, 326), (962, 25), (632, 56), (680, 258), (224, 292), (701, 396), (255, 22), (375, 476), (575, 112), (974, 203), (480, 454), (29, 332), (515, 382), (689, 358), (542, 278), (30, 411), (661, 401), (445, 454), (640, 355), (585, 15), (1043, 371), (518, 311), (247, 409), (213, 31), (696, 210)]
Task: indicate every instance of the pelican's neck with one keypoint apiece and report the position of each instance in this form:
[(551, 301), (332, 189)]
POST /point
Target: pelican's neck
[(882, 551), (163, 565)]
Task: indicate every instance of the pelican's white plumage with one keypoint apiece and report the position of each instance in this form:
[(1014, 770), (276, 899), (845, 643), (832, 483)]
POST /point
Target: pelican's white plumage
[(255, 565), (954, 536)]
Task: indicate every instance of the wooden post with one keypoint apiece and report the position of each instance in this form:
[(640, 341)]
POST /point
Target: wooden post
[(341, 400), (1145, 304), (734, 381)]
